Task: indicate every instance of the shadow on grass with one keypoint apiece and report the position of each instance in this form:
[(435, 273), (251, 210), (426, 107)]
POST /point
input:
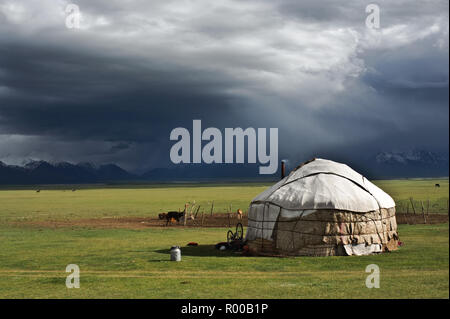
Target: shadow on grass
[(202, 251)]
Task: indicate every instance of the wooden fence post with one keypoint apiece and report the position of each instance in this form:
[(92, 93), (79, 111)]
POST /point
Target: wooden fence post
[(407, 213), (412, 204), (185, 215), (212, 207), (423, 212), (198, 208)]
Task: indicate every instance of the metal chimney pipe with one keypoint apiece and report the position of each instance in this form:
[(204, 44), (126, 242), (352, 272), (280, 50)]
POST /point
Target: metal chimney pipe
[(283, 169)]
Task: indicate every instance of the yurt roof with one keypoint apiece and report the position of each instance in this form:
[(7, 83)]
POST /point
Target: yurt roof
[(324, 184)]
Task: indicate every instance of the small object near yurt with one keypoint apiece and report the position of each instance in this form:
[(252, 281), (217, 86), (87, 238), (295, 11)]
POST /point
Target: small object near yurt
[(322, 208)]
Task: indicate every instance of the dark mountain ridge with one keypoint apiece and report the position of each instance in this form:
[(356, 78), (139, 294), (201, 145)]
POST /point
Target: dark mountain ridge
[(382, 165), (42, 172)]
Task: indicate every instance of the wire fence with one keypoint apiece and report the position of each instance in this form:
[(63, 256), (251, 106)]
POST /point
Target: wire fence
[(414, 206)]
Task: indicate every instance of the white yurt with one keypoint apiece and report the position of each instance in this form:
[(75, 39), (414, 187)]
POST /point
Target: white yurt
[(322, 208)]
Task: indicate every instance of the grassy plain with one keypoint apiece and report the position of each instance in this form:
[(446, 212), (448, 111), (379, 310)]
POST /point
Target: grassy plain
[(124, 263), (92, 201), (133, 263)]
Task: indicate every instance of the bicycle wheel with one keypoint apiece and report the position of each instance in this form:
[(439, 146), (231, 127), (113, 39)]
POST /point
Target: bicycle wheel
[(230, 236), (239, 231)]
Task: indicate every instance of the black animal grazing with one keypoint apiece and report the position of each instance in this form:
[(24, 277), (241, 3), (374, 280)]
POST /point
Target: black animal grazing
[(173, 215), (437, 185), (169, 216)]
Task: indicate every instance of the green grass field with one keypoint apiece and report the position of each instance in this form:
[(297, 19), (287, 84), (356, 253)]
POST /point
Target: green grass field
[(58, 202), (134, 264), (128, 263)]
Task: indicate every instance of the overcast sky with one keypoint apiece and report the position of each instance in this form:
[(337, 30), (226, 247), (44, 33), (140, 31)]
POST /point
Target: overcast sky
[(112, 90)]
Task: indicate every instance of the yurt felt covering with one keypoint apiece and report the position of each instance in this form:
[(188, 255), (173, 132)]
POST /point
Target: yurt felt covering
[(322, 208)]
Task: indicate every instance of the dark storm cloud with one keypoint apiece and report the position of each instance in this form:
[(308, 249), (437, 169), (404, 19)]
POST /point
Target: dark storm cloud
[(113, 90), (349, 13), (61, 92)]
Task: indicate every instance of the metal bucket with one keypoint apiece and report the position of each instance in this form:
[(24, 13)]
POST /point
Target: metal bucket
[(175, 253)]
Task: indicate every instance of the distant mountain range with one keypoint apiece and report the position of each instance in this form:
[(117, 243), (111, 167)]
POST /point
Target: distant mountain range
[(414, 163), (42, 172), (205, 171)]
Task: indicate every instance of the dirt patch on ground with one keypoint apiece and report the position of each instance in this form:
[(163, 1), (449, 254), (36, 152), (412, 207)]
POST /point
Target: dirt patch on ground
[(217, 220), (412, 219)]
